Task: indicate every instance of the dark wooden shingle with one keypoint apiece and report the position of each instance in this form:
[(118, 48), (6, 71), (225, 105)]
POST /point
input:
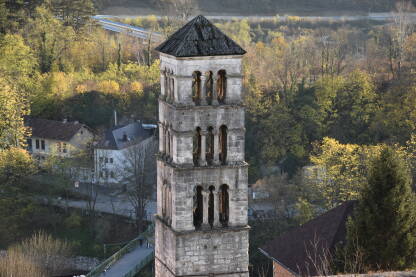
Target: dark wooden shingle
[(199, 37)]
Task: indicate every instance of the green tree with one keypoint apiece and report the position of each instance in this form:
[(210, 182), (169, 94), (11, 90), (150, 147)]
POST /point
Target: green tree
[(384, 224), (12, 109), (74, 13), (50, 38), (19, 213), (17, 61)]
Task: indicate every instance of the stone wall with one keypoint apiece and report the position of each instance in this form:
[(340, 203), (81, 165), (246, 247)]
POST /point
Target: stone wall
[(202, 253)]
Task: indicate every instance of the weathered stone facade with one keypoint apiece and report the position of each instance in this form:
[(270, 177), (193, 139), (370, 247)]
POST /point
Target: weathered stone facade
[(201, 222)]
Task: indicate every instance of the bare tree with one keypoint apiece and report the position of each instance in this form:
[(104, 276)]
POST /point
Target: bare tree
[(140, 177), (181, 9), (319, 257), (397, 34)]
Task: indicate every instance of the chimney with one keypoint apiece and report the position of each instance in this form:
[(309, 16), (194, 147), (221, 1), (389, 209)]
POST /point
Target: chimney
[(115, 118)]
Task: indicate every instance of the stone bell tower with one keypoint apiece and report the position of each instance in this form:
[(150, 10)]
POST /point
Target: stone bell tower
[(201, 221)]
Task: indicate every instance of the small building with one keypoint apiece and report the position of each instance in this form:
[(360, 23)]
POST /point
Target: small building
[(61, 138), (117, 143), (302, 250)]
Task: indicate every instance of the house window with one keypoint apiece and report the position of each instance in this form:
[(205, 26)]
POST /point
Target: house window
[(37, 144), (101, 159), (111, 160), (42, 144), (64, 149), (106, 160), (101, 174), (112, 174), (29, 144)]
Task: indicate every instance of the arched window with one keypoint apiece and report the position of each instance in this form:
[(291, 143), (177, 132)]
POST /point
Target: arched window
[(169, 204), (221, 85), (197, 146), (224, 205), (172, 88), (164, 208), (165, 82), (223, 144), (168, 144), (198, 207), (196, 87), (211, 206), (210, 145), (209, 84)]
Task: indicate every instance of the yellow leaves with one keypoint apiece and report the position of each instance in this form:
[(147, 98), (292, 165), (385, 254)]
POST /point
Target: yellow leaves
[(12, 109), (81, 88), (109, 86), (292, 18), (137, 87), (16, 58), (344, 167), (61, 83)]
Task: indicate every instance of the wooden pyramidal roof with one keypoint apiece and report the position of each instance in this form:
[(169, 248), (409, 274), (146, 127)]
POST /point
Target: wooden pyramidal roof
[(199, 37)]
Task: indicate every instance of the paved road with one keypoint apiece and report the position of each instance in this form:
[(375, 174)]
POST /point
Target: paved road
[(108, 201), (370, 16), (127, 263)]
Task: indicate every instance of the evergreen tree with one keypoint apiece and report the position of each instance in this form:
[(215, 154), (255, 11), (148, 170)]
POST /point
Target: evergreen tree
[(383, 229)]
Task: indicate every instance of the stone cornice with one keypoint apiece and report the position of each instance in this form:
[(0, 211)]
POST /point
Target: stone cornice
[(188, 167), (201, 107), (203, 231)]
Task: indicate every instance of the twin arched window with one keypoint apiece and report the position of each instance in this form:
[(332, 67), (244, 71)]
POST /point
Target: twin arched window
[(214, 151), (218, 209), (207, 94)]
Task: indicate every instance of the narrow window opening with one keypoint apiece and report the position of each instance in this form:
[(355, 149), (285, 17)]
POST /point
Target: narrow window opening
[(210, 146), (165, 75), (172, 89), (197, 146), (221, 85), (196, 87), (224, 206), (198, 207), (211, 206), (169, 204), (164, 208), (168, 144), (223, 144), (209, 85)]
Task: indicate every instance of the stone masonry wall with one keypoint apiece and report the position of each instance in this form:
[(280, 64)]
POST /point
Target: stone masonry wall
[(203, 252)]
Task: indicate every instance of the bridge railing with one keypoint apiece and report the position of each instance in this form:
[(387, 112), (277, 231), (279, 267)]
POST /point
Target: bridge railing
[(145, 236)]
